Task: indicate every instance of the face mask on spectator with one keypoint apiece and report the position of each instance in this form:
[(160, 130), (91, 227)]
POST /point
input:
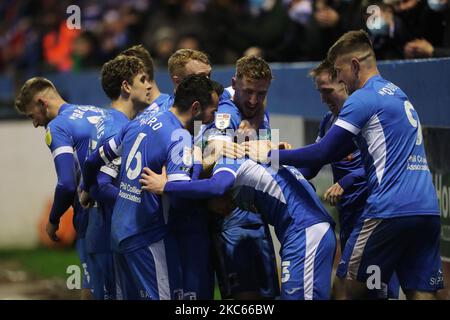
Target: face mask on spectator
[(437, 5), (257, 4), (301, 12), (381, 29)]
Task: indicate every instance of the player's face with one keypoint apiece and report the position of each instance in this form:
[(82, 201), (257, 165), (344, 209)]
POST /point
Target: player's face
[(37, 113), (250, 94), (140, 90), (345, 73), (198, 68), (332, 93), (206, 115)]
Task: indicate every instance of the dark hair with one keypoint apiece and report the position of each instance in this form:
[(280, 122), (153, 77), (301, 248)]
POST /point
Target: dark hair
[(217, 87), (193, 88), (29, 89), (350, 42), (114, 72), (140, 52)]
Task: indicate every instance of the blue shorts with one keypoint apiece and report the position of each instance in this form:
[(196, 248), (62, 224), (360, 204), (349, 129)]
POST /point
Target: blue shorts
[(125, 287), (154, 271), (245, 261), (198, 273), (392, 290), (407, 245), (85, 261), (103, 276), (307, 257)]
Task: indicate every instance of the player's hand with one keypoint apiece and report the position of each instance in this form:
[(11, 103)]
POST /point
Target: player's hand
[(284, 146), (221, 149), (257, 150), (51, 229), (152, 181), (232, 150), (85, 200), (198, 156), (333, 194)]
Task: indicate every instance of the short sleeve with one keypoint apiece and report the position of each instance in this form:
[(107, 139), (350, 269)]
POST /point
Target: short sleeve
[(180, 158), (354, 115), (226, 121), (58, 139)]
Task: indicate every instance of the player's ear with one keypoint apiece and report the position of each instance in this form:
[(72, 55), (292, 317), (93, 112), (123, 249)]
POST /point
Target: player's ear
[(355, 65), (233, 82), (41, 102), (126, 87), (196, 108), (176, 80)]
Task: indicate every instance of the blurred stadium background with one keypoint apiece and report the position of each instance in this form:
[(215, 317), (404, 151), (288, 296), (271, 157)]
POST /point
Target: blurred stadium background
[(35, 40)]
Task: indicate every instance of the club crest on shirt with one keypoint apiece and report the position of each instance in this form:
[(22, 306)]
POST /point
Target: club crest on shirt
[(48, 137), (93, 119), (222, 120), (187, 156)]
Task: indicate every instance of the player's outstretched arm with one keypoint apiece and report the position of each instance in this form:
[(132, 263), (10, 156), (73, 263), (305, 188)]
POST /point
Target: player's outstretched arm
[(310, 172), (65, 191), (217, 149), (215, 186), (335, 145)]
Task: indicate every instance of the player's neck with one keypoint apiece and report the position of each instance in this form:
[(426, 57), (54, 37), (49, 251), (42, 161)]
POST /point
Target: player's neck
[(185, 118), (365, 75), (125, 106), (154, 92), (54, 104)]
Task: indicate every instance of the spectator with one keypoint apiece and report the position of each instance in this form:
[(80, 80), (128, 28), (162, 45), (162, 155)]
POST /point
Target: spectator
[(434, 40), (85, 52), (387, 32)]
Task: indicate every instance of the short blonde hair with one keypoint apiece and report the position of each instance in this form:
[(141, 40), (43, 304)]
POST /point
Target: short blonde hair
[(324, 66), (180, 58), (29, 89), (350, 42), (253, 67)]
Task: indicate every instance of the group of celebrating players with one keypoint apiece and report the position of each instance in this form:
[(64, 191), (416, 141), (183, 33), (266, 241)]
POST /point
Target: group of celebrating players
[(164, 206)]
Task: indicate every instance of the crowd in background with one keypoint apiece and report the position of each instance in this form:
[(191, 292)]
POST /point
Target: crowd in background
[(35, 38)]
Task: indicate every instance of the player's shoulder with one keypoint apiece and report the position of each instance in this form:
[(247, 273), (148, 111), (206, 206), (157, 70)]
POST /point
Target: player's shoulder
[(163, 102), (164, 98), (324, 122), (327, 117), (162, 124), (113, 122), (116, 116), (228, 93), (227, 115), (227, 105)]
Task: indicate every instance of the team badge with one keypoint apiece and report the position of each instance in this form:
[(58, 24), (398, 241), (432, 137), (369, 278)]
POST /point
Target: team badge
[(48, 137), (187, 156), (222, 120), (93, 119)]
